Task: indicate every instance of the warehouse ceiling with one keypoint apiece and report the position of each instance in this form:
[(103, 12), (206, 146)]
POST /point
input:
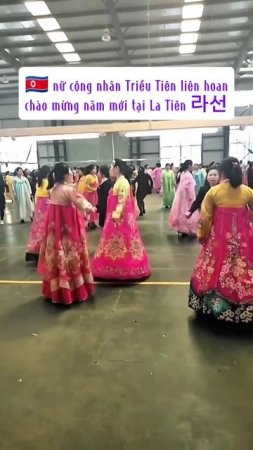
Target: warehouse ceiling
[(125, 33)]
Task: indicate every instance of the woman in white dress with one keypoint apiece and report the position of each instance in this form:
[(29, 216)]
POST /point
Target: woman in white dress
[(23, 193)]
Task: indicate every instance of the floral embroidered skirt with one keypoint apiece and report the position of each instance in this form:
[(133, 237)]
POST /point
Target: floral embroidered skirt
[(64, 261), (222, 281), (121, 254), (38, 229)]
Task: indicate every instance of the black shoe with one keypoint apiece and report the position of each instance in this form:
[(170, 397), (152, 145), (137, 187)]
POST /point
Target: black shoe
[(22, 221)]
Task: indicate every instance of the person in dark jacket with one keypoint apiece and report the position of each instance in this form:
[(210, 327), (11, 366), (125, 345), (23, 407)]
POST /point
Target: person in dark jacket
[(144, 187), (213, 178), (103, 192), (2, 199), (250, 174)]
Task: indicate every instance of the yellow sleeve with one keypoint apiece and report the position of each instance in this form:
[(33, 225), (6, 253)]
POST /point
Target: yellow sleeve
[(122, 190), (250, 201), (81, 185), (206, 215), (90, 183)]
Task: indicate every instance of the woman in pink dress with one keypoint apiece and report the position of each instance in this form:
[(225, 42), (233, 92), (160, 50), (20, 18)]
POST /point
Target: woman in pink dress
[(64, 259), (121, 254), (157, 178), (222, 281), (185, 195), (37, 232)]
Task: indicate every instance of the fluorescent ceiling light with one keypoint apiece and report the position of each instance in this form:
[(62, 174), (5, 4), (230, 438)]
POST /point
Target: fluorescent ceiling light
[(190, 26), (65, 47), (57, 36), (38, 8), (49, 24), (187, 49), (71, 57), (189, 38), (7, 50), (192, 11), (192, 1), (60, 137), (246, 69)]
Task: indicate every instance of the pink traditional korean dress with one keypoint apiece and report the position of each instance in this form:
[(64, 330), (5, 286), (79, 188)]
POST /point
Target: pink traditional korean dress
[(184, 197), (38, 229), (222, 281), (121, 254), (64, 260)]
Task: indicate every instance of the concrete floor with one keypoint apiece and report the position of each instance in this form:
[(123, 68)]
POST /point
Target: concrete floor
[(132, 369)]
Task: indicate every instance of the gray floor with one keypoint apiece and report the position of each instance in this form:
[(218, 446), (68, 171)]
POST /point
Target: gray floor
[(132, 369)]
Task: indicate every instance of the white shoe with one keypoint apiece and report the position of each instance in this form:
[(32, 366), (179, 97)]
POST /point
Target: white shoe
[(2, 222)]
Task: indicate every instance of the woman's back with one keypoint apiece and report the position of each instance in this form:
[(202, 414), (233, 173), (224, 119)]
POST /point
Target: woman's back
[(225, 195)]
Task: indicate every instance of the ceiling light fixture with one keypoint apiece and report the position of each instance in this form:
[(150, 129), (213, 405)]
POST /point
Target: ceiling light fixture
[(192, 11), (188, 26), (106, 36), (187, 49), (57, 36), (192, 1), (189, 38), (7, 50), (49, 24), (71, 57), (65, 47), (38, 8)]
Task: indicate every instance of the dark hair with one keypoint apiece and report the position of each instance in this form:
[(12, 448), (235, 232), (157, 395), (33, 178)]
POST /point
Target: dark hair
[(146, 166), (7, 173), (232, 170), (89, 169), (125, 170), (186, 165), (57, 174), (183, 167), (17, 169), (158, 165), (141, 171), (104, 170), (43, 173)]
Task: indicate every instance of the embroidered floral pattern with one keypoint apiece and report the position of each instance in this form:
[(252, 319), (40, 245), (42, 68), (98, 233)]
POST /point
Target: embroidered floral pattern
[(213, 304), (115, 248)]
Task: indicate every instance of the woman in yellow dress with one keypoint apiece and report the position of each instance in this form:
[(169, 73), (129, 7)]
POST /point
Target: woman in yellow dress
[(9, 184), (222, 281), (90, 187)]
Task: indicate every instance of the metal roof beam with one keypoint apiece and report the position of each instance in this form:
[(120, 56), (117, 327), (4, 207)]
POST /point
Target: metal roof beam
[(9, 59), (136, 8), (37, 31), (202, 41), (112, 11), (243, 52), (115, 21)]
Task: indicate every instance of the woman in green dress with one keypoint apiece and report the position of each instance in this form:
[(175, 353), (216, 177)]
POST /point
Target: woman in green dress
[(169, 184)]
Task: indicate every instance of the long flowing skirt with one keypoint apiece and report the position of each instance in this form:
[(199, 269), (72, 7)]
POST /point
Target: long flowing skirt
[(222, 281), (92, 198), (178, 220), (121, 254), (64, 259), (38, 229)]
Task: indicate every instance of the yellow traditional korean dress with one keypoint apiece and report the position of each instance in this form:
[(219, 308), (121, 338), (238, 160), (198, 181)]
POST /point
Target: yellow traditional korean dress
[(222, 281)]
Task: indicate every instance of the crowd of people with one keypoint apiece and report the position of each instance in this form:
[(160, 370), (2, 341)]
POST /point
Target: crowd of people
[(214, 204)]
